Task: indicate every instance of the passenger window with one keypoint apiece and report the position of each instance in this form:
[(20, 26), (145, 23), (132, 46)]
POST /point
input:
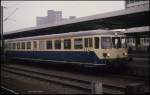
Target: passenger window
[(57, 44), (18, 45), (86, 42), (78, 43), (34, 44), (14, 45), (96, 42), (133, 40), (90, 42), (67, 44), (28, 45), (6, 46), (23, 45), (49, 44), (147, 40), (41, 44), (9, 45)]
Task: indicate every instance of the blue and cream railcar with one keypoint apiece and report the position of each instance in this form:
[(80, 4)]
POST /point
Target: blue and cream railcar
[(94, 47)]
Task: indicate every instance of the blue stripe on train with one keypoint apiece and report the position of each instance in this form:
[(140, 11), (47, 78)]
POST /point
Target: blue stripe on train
[(70, 56)]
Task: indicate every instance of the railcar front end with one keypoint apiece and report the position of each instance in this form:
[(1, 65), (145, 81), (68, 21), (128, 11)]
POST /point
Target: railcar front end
[(113, 51)]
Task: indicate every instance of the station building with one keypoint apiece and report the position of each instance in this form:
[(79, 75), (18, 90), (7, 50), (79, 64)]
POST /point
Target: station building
[(51, 18)]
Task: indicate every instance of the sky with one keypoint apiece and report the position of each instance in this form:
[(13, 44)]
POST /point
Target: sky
[(27, 11)]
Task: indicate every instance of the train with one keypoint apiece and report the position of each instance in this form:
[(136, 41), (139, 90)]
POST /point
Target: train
[(89, 48)]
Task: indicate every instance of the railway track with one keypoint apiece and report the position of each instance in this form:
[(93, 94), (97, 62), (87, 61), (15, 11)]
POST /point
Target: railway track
[(82, 85), (139, 65), (139, 55), (7, 91), (73, 83)]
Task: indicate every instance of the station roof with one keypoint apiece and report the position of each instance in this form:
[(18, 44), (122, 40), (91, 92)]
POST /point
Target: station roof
[(126, 18), (138, 31)]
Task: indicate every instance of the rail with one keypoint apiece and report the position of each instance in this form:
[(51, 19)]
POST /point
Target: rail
[(82, 86), (6, 91)]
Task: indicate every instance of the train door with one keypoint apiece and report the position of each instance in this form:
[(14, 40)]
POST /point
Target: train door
[(35, 45), (88, 44)]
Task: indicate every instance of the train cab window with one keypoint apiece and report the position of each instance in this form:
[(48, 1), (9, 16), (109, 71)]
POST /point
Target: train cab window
[(28, 45), (116, 42), (14, 45), (23, 45), (49, 44), (41, 44), (57, 44), (78, 43), (96, 45), (67, 44), (18, 45), (123, 43), (106, 42)]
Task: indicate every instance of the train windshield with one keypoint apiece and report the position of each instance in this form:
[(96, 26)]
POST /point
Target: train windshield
[(116, 42), (106, 42), (123, 42)]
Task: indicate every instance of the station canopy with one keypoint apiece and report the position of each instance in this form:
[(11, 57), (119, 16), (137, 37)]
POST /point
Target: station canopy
[(121, 19)]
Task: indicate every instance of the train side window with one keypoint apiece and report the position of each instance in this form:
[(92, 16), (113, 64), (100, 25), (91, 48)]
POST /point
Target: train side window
[(86, 42), (28, 45), (90, 42), (96, 45), (9, 45), (57, 44), (34, 44), (23, 45), (133, 40), (78, 43), (49, 44), (67, 44), (14, 45), (18, 45), (147, 40), (41, 44), (144, 40), (6, 46)]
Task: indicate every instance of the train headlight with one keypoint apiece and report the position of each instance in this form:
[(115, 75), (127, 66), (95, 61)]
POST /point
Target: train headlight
[(106, 54), (125, 53)]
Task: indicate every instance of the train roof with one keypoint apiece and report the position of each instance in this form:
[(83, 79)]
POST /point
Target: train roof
[(73, 34)]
